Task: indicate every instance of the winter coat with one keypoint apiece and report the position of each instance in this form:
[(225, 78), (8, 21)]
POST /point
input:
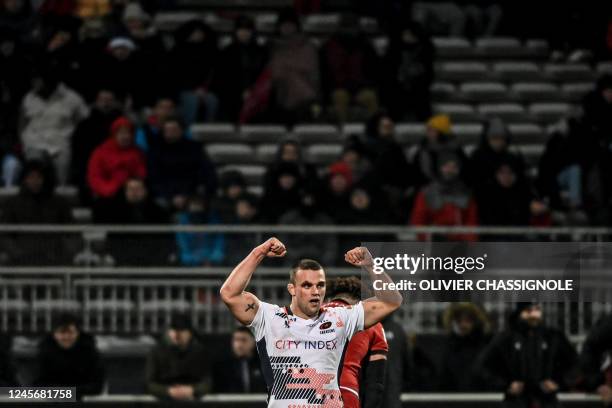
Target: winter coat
[(79, 366), (111, 166), (168, 365)]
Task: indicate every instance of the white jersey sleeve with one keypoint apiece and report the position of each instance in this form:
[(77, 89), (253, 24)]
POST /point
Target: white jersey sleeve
[(353, 318), (258, 325)]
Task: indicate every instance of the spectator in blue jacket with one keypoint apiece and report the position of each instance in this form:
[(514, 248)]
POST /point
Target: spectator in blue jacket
[(199, 248)]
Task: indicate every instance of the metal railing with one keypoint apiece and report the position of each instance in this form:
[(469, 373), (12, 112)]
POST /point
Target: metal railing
[(141, 299)]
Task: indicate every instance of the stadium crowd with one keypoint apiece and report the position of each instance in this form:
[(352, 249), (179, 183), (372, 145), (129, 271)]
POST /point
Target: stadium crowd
[(93, 95), (529, 360)]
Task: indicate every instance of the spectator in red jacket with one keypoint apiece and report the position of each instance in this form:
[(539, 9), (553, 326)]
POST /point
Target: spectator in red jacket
[(446, 201), (115, 161)]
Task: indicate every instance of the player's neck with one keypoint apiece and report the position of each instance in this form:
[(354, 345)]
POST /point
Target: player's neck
[(295, 309)]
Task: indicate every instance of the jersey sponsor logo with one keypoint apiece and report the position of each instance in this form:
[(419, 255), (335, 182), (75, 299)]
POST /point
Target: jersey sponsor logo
[(325, 325), (306, 345)]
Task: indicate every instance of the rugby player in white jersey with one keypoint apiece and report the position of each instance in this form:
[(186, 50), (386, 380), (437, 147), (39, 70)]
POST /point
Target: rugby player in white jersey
[(301, 345)]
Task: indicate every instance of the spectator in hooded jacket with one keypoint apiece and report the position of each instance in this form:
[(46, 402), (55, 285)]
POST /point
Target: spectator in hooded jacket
[(50, 112), (446, 201), (294, 66), (36, 203), (88, 135), (509, 200), (392, 171), (281, 192), (408, 73), (494, 149), (178, 167), (192, 69), (529, 361), (178, 367), (115, 161), (468, 334), (595, 365), (240, 64), (68, 358), (349, 70), (337, 190), (290, 151)]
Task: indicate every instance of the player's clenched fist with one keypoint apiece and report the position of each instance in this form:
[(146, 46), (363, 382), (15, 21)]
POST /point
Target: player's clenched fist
[(359, 256), (273, 248)]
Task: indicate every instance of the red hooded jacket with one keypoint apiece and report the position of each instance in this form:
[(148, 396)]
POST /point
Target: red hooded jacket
[(111, 165)]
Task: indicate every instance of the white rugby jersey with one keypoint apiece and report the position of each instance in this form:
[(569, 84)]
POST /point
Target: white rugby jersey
[(301, 358)]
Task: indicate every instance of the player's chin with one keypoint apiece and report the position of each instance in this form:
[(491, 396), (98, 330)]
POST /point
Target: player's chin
[(314, 304)]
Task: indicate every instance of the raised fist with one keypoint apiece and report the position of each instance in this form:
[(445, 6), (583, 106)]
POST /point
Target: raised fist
[(359, 256), (273, 248)]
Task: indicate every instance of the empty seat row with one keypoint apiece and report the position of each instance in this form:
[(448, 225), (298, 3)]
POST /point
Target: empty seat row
[(542, 113), (515, 71)]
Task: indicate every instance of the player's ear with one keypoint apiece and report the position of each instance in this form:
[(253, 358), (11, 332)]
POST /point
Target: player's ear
[(291, 289)]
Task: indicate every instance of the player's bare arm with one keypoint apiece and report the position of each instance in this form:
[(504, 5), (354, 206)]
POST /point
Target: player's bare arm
[(242, 304), (384, 302)]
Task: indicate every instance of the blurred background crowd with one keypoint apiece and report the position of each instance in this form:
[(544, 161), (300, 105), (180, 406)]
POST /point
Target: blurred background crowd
[(96, 96)]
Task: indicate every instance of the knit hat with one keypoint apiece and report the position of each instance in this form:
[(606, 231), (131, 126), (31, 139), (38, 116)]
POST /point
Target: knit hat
[(121, 122), (134, 11), (342, 169), (497, 127), (118, 42), (440, 122)]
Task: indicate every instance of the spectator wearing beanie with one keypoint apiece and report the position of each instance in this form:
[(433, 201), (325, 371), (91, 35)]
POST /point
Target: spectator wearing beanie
[(493, 150), (240, 64), (446, 201), (115, 161), (529, 361), (337, 190), (439, 139)]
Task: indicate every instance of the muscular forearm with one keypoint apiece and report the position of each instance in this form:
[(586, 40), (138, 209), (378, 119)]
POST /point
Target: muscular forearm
[(239, 279), (384, 295)]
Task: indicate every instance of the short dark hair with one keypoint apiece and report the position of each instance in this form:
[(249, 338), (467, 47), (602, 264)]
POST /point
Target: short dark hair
[(306, 264), (65, 320), (244, 329), (350, 285), (181, 321)]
